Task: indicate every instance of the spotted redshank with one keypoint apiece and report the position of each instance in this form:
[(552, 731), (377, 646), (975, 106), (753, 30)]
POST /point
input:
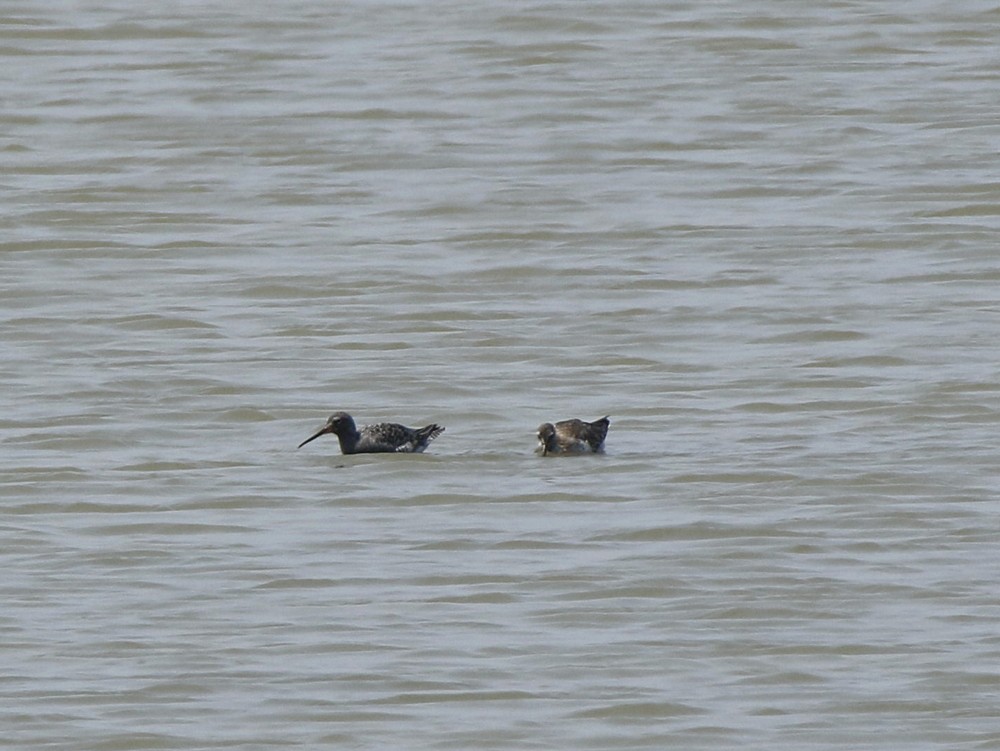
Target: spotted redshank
[(379, 438)]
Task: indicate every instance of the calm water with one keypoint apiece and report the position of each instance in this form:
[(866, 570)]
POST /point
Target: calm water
[(763, 239)]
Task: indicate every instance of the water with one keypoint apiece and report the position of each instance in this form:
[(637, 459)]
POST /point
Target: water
[(761, 239)]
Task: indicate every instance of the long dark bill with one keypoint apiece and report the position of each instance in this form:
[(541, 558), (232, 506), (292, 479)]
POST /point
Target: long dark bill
[(322, 431)]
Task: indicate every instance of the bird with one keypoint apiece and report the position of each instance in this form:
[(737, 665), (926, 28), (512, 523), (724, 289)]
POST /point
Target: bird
[(572, 436), (383, 437)]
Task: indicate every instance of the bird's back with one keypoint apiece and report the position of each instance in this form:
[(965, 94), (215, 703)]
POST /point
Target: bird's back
[(581, 435), (387, 437)]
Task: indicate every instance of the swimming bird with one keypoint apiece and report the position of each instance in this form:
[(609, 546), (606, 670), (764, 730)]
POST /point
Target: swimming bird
[(572, 436), (379, 438)]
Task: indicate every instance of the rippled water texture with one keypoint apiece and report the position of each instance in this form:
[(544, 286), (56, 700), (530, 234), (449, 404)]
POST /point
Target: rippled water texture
[(761, 237)]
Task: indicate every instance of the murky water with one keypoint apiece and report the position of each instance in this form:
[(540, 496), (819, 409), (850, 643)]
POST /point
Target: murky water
[(763, 239)]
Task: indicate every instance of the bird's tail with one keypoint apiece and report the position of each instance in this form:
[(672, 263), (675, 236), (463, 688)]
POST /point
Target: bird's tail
[(428, 433), (599, 430)]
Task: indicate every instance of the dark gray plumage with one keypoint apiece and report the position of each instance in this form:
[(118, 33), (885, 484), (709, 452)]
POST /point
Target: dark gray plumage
[(572, 436), (383, 437)]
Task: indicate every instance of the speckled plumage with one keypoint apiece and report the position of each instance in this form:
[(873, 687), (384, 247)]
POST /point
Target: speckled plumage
[(383, 437), (572, 436)]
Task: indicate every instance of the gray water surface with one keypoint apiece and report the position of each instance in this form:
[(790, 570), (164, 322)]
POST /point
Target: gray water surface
[(763, 239)]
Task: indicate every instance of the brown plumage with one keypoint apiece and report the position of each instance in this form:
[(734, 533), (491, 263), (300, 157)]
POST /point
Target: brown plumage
[(572, 436)]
